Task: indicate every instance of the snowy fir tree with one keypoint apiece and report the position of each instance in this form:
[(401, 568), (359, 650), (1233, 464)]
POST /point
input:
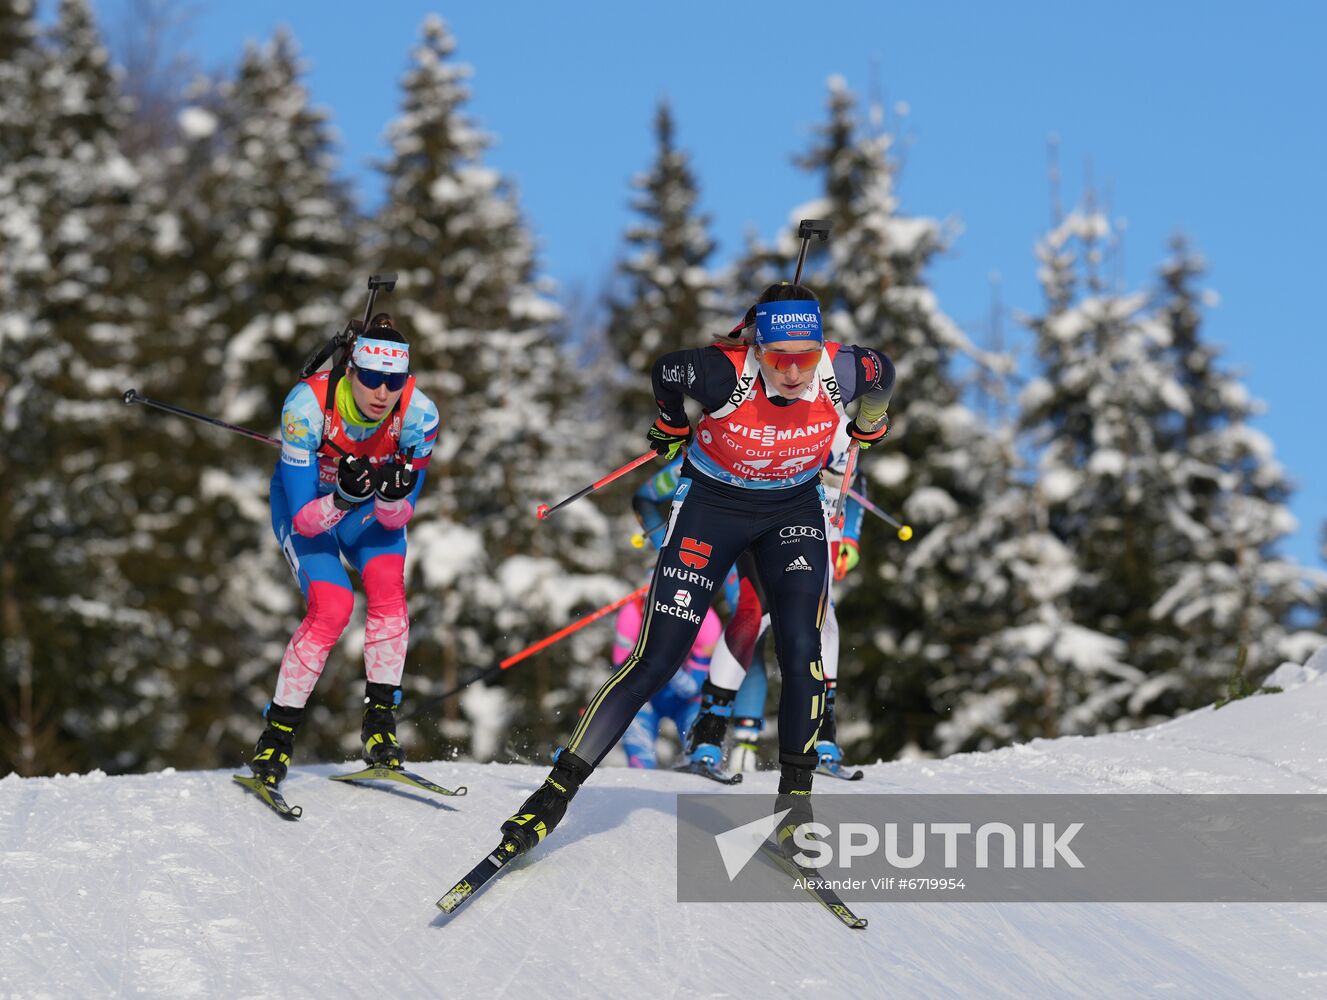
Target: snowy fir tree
[(901, 627), (1232, 604), (284, 238), (485, 578), (76, 633), (665, 299), (251, 242), (1151, 476)]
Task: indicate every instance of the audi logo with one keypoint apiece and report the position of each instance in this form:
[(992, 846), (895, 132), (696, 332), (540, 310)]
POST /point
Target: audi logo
[(801, 531)]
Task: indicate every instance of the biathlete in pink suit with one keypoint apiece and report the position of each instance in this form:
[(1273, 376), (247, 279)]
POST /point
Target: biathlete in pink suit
[(325, 506), (750, 482), (680, 698)]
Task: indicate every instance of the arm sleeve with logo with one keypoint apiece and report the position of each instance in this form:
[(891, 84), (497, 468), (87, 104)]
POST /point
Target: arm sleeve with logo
[(703, 373), (301, 433), (419, 430), (866, 375)]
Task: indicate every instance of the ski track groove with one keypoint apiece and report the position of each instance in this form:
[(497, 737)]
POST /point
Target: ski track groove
[(1314, 783)]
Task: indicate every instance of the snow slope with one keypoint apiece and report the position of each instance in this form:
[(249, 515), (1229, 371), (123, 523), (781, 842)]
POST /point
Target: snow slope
[(182, 885)]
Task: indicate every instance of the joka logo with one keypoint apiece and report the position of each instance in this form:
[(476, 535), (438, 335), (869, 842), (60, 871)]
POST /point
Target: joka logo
[(682, 598), (696, 554), (798, 563), (801, 531), (738, 846), (739, 393)]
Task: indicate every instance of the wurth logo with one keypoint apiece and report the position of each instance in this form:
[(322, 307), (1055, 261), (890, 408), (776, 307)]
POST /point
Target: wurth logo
[(695, 554)]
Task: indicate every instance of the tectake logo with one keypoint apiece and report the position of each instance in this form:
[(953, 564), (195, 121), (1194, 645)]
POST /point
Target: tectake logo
[(682, 598)]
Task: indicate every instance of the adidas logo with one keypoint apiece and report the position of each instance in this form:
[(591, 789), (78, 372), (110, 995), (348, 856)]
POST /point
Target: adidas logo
[(798, 563)]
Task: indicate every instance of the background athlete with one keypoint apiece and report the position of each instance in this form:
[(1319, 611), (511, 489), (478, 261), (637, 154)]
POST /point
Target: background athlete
[(326, 505)]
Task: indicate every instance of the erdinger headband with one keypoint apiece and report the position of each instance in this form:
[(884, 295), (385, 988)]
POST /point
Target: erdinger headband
[(389, 356), (798, 319)]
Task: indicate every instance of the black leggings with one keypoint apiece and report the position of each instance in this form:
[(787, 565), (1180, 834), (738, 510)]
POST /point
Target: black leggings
[(710, 525)]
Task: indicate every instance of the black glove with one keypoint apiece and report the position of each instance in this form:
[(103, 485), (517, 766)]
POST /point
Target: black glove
[(396, 481), (867, 438), (355, 482), (667, 439)]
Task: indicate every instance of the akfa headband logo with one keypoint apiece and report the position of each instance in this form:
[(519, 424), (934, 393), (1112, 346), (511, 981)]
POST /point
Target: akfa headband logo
[(381, 355)]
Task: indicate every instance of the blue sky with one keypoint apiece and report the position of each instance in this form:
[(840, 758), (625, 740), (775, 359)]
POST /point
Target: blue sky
[(1204, 117)]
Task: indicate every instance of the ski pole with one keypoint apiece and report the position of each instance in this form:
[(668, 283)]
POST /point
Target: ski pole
[(904, 531), (132, 396), (543, 510), (485, 673), (849, 468)]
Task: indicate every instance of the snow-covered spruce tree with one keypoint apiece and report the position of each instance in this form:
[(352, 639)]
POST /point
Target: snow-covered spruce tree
[(1232, 605), (1153, 477), (1098, 416), (28, 717), (71, 340), (251, 238), (906, 621), (485, 578), (665, 299), (284, 243)]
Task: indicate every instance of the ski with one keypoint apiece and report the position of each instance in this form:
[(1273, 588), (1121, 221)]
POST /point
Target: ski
[(827, 898), (709, 771), (834, 769), (269, 794), (478, 876), (398, 774)]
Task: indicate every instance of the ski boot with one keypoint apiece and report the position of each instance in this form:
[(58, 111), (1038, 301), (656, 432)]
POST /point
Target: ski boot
[(271, 754), (796, 773), (540, 814), (705, 741), (827, 746), (745, 756), (378, 730)]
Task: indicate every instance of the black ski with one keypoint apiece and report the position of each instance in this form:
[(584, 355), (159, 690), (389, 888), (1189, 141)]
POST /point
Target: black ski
[(398, 774), (478, 876), (709, 771), (827, 898), (834, 769), (270, 796)]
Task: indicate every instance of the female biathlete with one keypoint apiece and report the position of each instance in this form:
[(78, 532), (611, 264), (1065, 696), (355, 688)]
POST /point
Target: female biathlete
[(750, 482), (736, 685), (354, 446)]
